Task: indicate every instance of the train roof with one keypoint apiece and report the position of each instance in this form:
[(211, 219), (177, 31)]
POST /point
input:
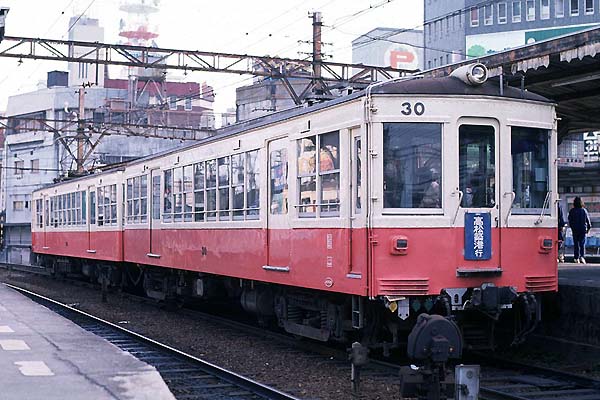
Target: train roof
[(445, 86)]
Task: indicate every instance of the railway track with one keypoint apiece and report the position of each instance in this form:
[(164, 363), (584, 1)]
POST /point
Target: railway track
[(500, 378), (187, 377)]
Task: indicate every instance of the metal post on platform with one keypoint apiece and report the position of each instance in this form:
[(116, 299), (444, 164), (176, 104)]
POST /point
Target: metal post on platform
[(358, 357)]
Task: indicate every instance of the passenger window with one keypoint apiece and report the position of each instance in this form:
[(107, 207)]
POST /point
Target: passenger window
[(477, 166), (319, 175), (177, 194), (168, 196), (253, 188), (223, 165), (529, 150), (307, 179), (237, 185), (188, 193), (199, 192), (412, 165), (211, 189), (155, 196), (279, 181)]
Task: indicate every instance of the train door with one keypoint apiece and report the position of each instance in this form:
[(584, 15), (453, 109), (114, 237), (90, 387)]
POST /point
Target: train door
[(278, 225), (91, 220), (154, 208), (479, 210), (45, 221), (357, 233)]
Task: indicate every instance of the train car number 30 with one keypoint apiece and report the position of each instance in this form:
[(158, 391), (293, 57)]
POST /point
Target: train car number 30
[(409, 108)]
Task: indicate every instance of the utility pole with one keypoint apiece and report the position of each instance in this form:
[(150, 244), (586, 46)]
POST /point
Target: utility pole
[(317, 44), (80, 137), (317, 54)]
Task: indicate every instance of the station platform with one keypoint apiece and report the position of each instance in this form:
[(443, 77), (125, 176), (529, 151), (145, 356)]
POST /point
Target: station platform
[(45, 356)]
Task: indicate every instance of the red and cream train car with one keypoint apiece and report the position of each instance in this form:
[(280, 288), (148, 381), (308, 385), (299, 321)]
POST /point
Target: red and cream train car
[(416, 195)]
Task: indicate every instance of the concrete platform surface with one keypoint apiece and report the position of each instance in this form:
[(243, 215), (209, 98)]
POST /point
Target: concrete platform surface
[(45, 356), (572, 274)]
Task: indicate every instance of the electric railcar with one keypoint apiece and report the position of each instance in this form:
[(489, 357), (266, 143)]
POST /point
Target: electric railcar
[(341, 220)]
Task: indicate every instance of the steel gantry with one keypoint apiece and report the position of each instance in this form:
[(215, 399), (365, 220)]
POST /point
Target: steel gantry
[(330, 74)]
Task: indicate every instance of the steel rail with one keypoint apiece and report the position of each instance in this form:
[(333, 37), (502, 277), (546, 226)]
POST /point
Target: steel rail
[(246, 388)]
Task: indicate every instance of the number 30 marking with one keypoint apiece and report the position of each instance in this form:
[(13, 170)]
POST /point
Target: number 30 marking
[(408, 108)]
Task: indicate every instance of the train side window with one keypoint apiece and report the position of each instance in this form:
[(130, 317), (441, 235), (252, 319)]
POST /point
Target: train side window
[(188, 193), (113, 204), (307, 176), (278, 164), (530, 162), (211, 189), (168, 196), (412, 165), (253, 185), (237, 185), (92, 207), (477, 165), (100, 206), (358, 172), (178, 194), (329, 174), (223, 172), (199, 192)]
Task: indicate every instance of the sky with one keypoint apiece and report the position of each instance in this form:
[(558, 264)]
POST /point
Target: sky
[(267, 27)]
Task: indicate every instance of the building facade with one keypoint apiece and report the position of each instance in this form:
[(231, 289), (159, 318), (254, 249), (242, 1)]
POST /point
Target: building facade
[(37, 153), (390, 47), (456, 30)]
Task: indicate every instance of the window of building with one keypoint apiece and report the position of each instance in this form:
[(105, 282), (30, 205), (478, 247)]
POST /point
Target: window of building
[(574, 8), (18, 205), (530, 5), (474, 17), (529, 150), (477, 166), (137, 199), (35, 166), (502, 18), (516, 11), (559, 8), (319, 175), (188, 104), (172, 102), (589, 7), (488, 14), (412, 165), (544, 9), (278, 165), (19, 168)]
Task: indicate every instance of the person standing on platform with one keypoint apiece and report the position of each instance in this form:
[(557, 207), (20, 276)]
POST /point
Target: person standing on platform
[(579, 221)]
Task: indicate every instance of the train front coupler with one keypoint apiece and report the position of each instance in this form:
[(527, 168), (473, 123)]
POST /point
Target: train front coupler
[(433, 342)]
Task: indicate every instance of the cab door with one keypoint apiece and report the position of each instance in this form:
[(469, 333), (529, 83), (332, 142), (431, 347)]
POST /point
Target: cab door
[(278, 224), (479, 210)]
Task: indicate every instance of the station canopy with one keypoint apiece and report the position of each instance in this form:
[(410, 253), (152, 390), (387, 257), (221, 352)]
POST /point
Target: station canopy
[(565, 69)]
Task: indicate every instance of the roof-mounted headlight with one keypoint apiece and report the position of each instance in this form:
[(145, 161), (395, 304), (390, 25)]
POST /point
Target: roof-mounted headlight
[(472, 74)]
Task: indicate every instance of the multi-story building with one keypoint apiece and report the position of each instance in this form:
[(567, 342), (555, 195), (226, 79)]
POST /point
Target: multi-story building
[(460, 29), (35, 155)]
